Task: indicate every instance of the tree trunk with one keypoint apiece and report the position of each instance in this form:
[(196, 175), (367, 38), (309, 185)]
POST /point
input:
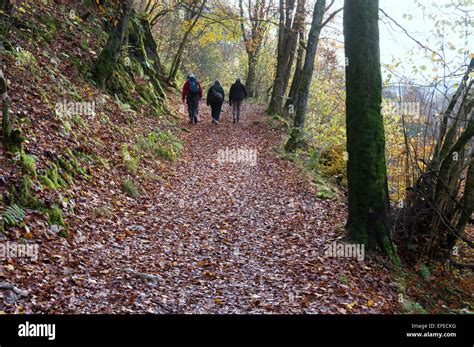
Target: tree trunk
[(143, 49), (250, 81), (6, 123), (296, 138), (5, 12), (467, 201), (293, 95), (12, 138), (6, 6), (152, 48), (442, 200), (444, 123), (289, 27), (179, 54), (369, 208), (258, 12), (110, 54)]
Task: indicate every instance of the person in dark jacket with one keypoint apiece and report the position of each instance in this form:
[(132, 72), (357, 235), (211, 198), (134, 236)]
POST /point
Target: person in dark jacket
[(215, 99), (192, 93), (237, 94)]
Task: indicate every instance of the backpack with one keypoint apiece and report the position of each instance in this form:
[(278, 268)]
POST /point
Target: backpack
[(193, 86), (218, 97)]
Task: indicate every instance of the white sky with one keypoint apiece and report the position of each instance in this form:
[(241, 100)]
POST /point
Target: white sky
[(395, 45)]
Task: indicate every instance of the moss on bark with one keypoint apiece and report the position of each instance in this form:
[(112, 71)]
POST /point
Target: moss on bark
[(110, 54), (141, 63), (369, 208)]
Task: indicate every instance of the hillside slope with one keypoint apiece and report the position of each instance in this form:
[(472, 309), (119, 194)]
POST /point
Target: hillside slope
[(85, 149), (133, 210)]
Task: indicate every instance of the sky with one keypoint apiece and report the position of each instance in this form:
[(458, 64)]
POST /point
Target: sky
[(396, 46), (418, 18)]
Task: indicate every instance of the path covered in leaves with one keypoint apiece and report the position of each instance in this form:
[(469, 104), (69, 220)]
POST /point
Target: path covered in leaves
[(210, 237)]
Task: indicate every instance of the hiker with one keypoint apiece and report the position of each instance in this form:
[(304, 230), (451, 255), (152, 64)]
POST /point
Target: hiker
[(215, 99), (237, 94), (192, 93)]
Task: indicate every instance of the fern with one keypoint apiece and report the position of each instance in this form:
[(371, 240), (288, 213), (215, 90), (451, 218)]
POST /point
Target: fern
[(13, 215)]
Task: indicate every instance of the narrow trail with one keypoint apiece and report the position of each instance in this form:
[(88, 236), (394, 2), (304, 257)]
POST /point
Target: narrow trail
[(219, 237)]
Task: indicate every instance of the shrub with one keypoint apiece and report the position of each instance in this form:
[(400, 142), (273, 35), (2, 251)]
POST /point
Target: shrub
[(332, 161), (324, 189), (130, 189), (130, 162), (55, 216), (103, 211), (413, 307), (28, 163), (425, 272), (52, 179), (162, 144), (26, 198)]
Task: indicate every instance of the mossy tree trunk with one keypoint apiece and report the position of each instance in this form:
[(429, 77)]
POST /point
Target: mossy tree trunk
[(250, 81), (12, 138), (467, 201), (296, 138), (110, 54), (369, 208), (6, 6), (6, 122), (142, 60), (290, 24), (293, 94), (144, 50), (151, 48), (444, 231), (5, 19)]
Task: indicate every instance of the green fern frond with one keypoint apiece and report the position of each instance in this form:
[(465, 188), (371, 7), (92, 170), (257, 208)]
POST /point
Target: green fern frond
[(13, 215)]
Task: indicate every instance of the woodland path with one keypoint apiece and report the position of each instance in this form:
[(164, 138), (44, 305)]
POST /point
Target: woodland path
[(218, 238)]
